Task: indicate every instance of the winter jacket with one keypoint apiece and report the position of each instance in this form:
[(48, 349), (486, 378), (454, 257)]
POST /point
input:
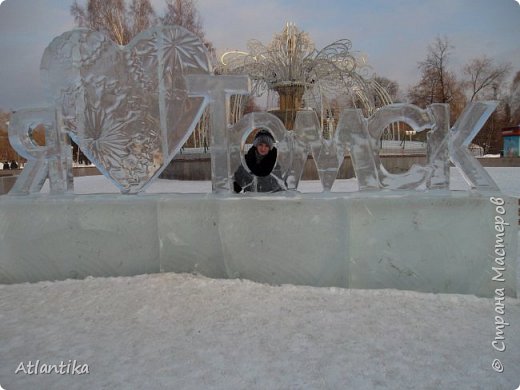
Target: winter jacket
[(265, 176)]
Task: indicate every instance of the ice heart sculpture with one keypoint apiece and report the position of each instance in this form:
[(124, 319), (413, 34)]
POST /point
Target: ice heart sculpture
[(128, 108)]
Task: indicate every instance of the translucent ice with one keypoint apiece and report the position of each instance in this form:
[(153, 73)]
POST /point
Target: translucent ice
[(52, 160), (127, 108), (437, 147), (130, 109), (443, 242), (237, 138), (218, 90), (327, 156), (363, 136), (464, 130)]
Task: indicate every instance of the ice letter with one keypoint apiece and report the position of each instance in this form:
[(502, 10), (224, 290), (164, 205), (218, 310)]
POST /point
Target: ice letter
[(464, 130), (218, 89), (353, 129), (437, 147), (326, 154), (418, 120), (53, 161), (259, 120), (363, 136)]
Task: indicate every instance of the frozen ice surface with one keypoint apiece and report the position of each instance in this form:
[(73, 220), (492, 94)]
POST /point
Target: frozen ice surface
[(99, 238)]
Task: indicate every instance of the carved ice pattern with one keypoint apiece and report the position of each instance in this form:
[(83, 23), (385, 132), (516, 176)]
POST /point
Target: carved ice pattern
[(127, 108)]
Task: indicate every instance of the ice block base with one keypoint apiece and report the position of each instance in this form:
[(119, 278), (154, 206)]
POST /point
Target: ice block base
[(437, 241)]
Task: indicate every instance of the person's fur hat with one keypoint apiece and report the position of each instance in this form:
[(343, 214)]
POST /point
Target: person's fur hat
[(263, 137)]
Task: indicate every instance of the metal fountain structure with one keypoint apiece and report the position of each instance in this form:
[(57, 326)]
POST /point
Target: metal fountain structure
[(305, 77)]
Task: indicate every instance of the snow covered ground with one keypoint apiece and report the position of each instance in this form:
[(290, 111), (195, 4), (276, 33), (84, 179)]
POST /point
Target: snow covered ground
[(171, 331)]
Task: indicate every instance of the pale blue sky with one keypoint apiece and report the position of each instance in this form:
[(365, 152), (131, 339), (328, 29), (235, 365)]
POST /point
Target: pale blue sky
[(394, 34)]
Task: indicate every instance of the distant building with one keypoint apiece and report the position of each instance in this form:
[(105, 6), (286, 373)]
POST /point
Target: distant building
[(511, 136)]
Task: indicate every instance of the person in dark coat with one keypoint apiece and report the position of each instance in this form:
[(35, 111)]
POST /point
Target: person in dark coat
[(6, 166), (14, 165), (264, 173)]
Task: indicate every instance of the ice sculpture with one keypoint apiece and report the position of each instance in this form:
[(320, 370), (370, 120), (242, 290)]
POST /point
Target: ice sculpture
[(465, 129), (241, 130), (128, 108), (362, 136), (218, 89), (293, 147), (52, 160), (328, 155)]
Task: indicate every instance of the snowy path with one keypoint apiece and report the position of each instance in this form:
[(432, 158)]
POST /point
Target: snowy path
[(186, 332)]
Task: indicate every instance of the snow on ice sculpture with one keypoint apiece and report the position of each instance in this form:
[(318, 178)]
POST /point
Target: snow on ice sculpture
[(52, 160), (128, 108)]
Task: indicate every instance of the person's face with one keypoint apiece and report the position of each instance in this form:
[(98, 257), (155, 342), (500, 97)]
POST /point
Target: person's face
[(262, 149)]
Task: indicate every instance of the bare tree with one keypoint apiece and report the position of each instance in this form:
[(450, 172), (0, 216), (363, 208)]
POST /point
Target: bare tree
[(484, 76), (113, 18), (122, 23), (513, 104), (142, 14), (483, 80), (184, 13), (437, 83)]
